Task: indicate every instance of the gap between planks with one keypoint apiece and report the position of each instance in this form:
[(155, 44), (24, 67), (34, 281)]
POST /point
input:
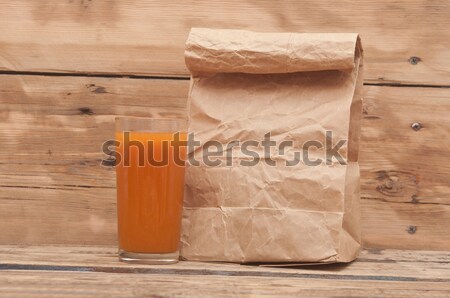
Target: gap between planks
[(209, 272), (181, 78)]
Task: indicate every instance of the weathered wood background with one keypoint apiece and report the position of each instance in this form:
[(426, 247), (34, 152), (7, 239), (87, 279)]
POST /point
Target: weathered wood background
[(67, 68)]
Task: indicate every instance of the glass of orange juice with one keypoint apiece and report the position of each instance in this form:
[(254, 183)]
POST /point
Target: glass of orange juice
[(150, 166)]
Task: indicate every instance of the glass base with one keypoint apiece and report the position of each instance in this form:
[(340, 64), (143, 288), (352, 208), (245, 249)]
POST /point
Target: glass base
[(149, 258)]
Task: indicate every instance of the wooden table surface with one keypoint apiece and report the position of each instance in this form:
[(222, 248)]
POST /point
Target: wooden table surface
[(94, 271)]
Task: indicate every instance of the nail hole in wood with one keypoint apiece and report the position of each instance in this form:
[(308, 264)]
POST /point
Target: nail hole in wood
[(414, 60), (411, 229), (416, 126)]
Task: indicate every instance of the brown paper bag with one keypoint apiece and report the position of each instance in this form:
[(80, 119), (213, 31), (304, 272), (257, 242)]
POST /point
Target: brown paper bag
[(299, 87)]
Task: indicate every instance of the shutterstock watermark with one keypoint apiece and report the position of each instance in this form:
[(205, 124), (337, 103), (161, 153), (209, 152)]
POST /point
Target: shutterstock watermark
[(180, 150)]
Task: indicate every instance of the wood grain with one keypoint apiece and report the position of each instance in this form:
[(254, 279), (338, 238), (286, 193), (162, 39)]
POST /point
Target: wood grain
[(405, 225), (388, 262), (52, 128), (398, 163), (93, 271), (406, 42), (33, 284)]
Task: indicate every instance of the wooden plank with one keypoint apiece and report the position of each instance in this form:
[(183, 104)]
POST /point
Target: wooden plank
[(390, 264), (88, 271), (33, 284), (86, 215), (58, 215), (57, 109), (405, 225), (51, 130), (405, 42)]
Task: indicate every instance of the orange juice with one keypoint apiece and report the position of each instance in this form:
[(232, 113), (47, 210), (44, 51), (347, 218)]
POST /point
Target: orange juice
[(149, 196)]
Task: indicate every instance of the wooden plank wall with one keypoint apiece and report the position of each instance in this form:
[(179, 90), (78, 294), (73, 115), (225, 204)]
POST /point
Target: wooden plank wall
[(67, 68)]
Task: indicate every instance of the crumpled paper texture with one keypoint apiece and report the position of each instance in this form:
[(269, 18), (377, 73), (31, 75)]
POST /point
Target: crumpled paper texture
[(296, 86)]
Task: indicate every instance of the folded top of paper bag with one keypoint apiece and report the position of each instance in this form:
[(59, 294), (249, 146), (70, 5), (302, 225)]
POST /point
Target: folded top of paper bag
[(212, 50)]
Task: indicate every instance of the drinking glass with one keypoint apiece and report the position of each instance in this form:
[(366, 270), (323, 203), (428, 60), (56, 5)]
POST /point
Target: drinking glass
[(150, 156)]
